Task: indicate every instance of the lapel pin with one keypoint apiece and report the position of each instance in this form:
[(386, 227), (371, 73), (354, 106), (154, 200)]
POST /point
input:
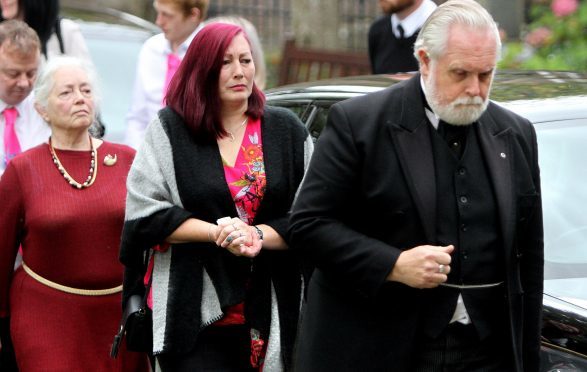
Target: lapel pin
[(502, 155), (110, 160)]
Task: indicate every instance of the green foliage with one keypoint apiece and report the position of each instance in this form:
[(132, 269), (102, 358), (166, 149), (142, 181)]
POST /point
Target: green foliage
[(551, 42)]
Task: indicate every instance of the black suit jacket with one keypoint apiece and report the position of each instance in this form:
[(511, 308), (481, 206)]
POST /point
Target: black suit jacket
[(370, 193)]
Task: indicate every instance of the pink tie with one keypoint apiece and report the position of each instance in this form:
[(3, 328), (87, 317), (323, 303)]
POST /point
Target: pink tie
[(173, 62), (11, 144)]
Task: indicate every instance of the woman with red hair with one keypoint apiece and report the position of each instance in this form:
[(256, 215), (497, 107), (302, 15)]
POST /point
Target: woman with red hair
[(212, 186)]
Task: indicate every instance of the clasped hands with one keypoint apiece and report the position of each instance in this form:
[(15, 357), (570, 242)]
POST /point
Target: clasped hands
[(425, 266), (236, 236)]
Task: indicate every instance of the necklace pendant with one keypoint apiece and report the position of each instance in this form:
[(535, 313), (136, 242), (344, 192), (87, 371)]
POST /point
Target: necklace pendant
[(231, 134)]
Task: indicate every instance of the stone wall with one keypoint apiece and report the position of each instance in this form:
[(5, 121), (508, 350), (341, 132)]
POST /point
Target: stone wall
[(343, 27)]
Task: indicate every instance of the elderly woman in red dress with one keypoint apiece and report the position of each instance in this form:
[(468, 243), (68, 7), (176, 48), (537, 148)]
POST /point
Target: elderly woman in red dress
[(63, 202)]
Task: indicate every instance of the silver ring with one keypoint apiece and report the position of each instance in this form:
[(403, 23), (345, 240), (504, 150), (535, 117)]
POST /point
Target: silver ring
[(441, 269), (234, 227), (229, 239)]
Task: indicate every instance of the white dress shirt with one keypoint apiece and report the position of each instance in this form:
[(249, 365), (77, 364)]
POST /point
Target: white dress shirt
[(147, 95), (31, 129), (414, 21)]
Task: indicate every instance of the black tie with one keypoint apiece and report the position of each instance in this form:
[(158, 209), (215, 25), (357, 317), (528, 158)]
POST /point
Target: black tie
[(400, 30)]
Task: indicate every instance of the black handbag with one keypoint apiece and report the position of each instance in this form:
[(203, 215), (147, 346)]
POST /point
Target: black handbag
[(136, 325)]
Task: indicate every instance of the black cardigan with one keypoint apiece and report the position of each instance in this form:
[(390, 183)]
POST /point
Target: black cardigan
[(204, 194)]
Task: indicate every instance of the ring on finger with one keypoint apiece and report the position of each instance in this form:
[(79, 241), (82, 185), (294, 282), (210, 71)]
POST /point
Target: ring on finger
[(234, 227), (441, 268), (229, 239)]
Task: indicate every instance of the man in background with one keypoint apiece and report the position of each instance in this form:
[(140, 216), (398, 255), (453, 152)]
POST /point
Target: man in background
[(392, 36), (21, 127), (158, 60)]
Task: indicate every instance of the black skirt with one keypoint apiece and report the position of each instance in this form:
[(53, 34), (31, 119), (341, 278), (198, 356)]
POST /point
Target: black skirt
[(218, 349)]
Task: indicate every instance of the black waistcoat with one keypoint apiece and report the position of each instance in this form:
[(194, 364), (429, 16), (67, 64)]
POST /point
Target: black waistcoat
[(466, 218)]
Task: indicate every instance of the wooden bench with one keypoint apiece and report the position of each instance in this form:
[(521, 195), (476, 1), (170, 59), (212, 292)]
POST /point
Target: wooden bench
[(305, 64)]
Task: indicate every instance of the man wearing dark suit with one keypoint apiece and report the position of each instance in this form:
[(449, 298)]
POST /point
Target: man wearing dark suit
[(391, 37), (421, 211)]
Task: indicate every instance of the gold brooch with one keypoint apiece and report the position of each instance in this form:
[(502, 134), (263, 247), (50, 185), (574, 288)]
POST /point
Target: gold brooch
[(110, 160)]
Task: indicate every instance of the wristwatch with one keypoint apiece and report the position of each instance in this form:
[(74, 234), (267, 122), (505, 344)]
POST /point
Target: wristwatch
[(259, 232)]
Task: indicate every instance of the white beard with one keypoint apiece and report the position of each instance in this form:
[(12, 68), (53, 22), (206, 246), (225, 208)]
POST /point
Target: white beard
[(461, 111)]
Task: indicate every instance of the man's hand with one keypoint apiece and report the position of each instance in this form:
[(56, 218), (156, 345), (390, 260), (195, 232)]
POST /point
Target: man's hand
[(425, 266)]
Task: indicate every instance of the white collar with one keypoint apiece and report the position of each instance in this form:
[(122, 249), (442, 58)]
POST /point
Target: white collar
[(183, 47), (19, 106), (432, 117), (414, 21)]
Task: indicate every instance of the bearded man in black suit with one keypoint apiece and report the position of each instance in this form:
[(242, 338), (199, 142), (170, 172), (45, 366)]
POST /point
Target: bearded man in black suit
[(421, 212)]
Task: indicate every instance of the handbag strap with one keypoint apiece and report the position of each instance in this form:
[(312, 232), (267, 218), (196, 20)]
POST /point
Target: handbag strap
[(127, 312), (148, 286)]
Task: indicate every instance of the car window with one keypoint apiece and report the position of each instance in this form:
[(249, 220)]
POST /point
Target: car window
[(114, 50), (318, 122), (562, 154), (312, 114), (300, 108)]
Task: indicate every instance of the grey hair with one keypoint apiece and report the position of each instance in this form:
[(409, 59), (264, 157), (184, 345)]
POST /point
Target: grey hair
[(256, 47), (46, 79), (434, 33), (19, 37)]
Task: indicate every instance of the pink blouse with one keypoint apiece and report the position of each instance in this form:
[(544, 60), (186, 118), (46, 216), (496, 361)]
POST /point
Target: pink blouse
[(246, 180)]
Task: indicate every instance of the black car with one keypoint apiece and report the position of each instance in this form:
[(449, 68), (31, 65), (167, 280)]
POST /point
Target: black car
[(556, 102)]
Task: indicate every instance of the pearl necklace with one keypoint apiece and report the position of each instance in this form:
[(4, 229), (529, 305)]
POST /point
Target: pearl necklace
[(231, 134), (93, 168)]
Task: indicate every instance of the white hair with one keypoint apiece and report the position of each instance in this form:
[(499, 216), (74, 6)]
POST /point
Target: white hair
[(46, 79), (433, 36)]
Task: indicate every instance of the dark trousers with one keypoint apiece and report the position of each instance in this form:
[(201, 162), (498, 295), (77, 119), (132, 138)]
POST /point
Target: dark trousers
[(218, 349), (7, 357), (458, 349)]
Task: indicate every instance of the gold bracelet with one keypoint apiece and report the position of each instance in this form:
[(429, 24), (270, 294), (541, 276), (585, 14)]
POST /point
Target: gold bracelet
[(66, 289)]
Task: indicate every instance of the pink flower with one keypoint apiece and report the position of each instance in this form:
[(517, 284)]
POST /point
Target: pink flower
[(538, 37), (562, 8)]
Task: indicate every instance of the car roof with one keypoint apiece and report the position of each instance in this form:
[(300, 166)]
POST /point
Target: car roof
[(88, 12), (540, 96)]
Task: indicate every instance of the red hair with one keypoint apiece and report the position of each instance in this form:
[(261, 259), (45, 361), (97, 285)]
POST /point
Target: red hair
[(193, 90)]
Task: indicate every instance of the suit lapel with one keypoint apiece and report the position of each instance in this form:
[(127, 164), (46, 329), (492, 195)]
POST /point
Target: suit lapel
[(411, 138), (495, 147), (410, 135)]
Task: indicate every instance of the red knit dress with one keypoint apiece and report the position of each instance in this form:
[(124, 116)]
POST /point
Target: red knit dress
[(70, 237)]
